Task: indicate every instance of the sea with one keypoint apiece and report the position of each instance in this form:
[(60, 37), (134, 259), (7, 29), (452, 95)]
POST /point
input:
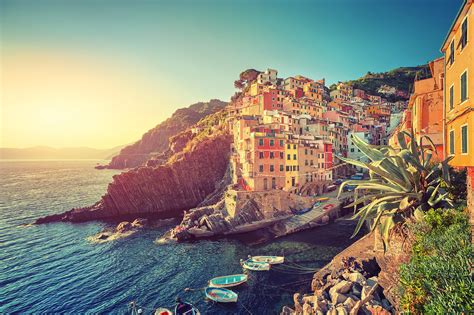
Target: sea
[(54, 269)]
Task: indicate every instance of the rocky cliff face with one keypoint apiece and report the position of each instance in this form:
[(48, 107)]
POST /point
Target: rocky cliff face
[(156, 141), (163, 191)]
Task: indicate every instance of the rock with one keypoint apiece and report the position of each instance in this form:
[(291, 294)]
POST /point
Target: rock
[(337, 298), (139, 222), (160, 192), (102, 236), (349, 303), (386, 305), (371, 281), (307, 309), (377, 310), (287, 311), (332, 311), (123, 227), (341, 287), (356, 289), (355, 277), (341, 310), (365, 290)]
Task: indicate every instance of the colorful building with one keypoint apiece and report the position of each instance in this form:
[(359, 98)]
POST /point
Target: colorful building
[(292, 168)]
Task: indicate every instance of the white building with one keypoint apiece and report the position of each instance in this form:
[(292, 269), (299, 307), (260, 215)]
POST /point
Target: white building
[(353, 152), (269, 76)]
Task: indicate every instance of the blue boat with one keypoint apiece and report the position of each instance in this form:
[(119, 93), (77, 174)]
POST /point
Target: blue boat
[(221, 295), (228, 281)]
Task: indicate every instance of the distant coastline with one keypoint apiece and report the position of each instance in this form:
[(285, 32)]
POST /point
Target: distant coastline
[(51, 153)]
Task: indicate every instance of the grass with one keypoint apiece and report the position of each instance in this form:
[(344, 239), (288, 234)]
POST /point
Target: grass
[(438, 279)]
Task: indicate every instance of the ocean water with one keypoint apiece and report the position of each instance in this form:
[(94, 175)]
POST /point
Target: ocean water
[(52, 268)]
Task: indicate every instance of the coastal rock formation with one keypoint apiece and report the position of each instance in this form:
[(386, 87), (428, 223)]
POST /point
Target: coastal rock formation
[(163, 191), (351, 288), (123, 229), (156, 141)]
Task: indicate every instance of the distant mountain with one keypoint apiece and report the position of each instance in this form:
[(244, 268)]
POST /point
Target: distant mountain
[(156, 141), (46, 153), (400, 78)]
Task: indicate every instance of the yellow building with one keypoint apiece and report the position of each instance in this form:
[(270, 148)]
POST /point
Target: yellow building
[(458, 50), (292, 168)]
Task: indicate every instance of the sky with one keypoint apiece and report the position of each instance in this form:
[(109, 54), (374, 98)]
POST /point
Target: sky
[(101, 73)]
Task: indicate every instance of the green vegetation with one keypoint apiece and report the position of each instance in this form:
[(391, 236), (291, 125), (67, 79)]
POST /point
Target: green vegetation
[(438, 279), (403, 183), (401, 78)]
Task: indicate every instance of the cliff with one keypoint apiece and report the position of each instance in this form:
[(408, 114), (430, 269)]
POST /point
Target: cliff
[(156, 141), (163, 191)]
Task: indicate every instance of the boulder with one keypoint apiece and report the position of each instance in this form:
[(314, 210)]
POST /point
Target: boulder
[(372, 281), (349, 303), (356, 289), (337, 298), (123, 227), (341, 310), (139, 222), (355, 277), (365, 291), (343, 286)]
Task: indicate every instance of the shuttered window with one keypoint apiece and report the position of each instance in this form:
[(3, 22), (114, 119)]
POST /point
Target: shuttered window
[(464, 34), (464, 86), (464, 139), (451, 142), (451, 97)]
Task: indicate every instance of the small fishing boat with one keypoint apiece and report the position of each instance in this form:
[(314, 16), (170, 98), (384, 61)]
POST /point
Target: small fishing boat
[(301, 211), (163, 311), (322, 199), (272, 260), (185, 308), (221, 295), (228, 281), (249, 264)]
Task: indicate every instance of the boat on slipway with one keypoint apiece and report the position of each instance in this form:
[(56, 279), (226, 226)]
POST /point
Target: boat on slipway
[(221, 295), (272, 260), (228, 281)]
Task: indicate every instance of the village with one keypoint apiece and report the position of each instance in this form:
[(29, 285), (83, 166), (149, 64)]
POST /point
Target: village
[(288, 133)]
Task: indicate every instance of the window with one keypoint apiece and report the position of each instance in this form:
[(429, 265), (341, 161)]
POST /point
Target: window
[(306, 162), (464, 86), (273, 182), (282, 155), (288, 168), (272, 155), (464, 33), (260, 168), (272, 168), (352, 149), (281, 168), (281, 143), (272, 143), (288, 146), (451, 142), (260, 141), (451, 97), (288, 157), (260, 155), (451, 53), (306, 151), (464, 139), (294, 146), (294, 157)]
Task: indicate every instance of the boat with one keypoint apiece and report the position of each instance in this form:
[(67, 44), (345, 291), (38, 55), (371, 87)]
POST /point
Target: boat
[(185, 308), (328, 207), (221, 295), (272, 260), (163, 311), (301, 211), (322, 199), (228, 281), (255, 266)]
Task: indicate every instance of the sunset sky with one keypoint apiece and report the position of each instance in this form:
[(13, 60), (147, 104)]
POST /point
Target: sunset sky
[(101, 73)]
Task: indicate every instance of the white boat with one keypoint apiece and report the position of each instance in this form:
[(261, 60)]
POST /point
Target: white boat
[(221, 295), (255, 266), (272, 260), (185, 308), (228, 281), (163, 311)]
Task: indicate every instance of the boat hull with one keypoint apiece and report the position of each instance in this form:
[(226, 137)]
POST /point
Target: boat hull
[(272, 260), (187, 309), (221, 295), (256, 266), (228, 281)]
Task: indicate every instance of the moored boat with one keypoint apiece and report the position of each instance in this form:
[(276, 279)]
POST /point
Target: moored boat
[(255, 266), (163, 311), (228, 281), (221, 295), (185, 308), (272, 260)]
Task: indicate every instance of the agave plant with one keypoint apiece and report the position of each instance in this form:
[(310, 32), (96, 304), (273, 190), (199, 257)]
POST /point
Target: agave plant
[(403, 183)]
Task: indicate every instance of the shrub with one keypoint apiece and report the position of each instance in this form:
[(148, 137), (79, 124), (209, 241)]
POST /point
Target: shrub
[(438, 279)]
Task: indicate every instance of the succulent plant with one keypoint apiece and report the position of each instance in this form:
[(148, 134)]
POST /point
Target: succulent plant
[(403, 183)]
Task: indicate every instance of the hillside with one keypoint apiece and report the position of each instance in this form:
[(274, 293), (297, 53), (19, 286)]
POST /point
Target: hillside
[(156, 141), (400, 78), (49, 153)]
